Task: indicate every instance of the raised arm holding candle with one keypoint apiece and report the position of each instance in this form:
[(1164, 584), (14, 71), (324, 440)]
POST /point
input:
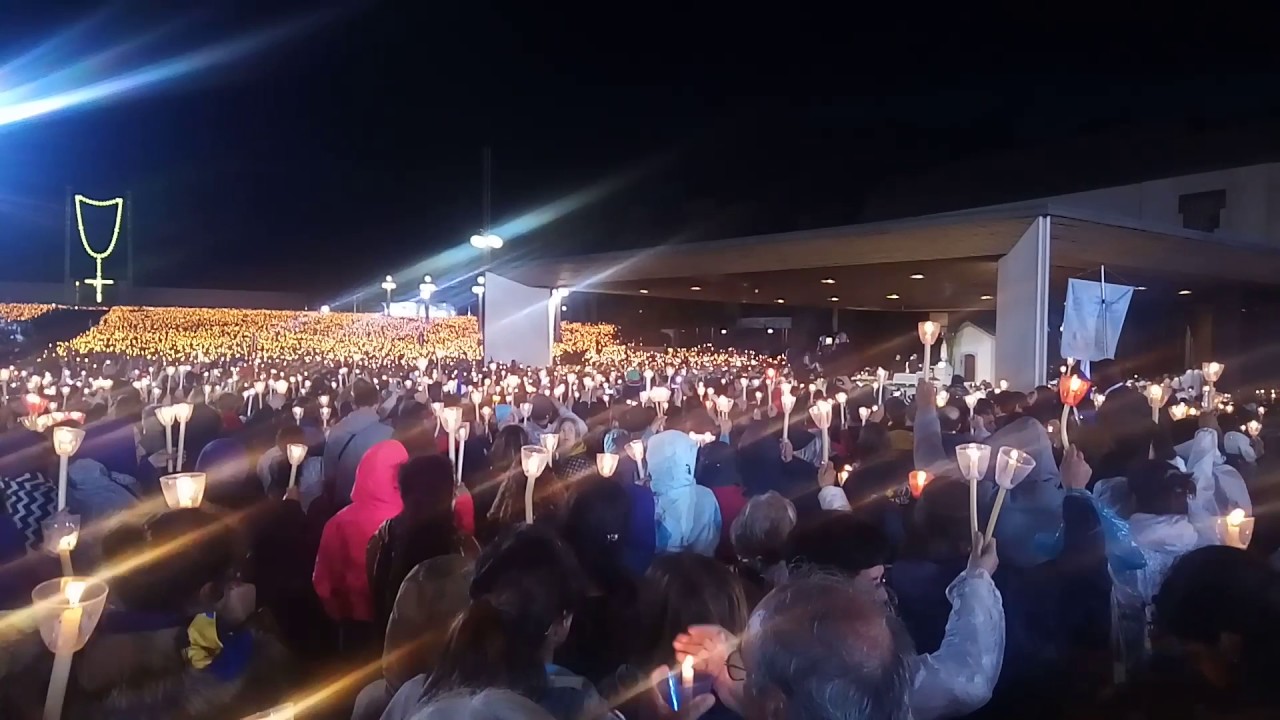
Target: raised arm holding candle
[(67, 611), (820, 412)]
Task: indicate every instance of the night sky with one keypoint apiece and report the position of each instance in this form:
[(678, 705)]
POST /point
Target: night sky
[(350, 146)]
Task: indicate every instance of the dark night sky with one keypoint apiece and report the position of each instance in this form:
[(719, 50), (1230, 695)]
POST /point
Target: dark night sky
[(352, 147)]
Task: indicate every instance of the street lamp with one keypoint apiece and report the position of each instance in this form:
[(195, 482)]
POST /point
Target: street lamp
[(425, 289), (486, 241), (389, 284)]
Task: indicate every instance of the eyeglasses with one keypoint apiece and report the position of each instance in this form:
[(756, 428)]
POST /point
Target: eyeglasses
[(735, 667)]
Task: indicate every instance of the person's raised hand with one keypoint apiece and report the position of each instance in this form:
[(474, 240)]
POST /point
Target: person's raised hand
[(1209, 419), (926, 393), (709, 646), (725, 425), (787, 451), (826, 475), (292, 493), (772, 411), (983, 555), (1075, 471)]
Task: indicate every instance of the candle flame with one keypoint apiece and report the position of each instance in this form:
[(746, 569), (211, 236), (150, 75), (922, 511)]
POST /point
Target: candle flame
[(74, 590), (686, 671), (1236, 517)]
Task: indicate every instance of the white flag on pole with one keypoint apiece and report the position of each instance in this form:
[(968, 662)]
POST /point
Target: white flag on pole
[(1091, 325)]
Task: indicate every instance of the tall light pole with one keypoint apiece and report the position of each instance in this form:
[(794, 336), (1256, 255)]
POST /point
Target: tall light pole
[(389, 284), (425, 289), (478, 289)]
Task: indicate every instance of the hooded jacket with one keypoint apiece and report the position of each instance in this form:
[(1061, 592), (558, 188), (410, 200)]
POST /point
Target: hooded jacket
[(340, 578), (349, 441), (688, 516)]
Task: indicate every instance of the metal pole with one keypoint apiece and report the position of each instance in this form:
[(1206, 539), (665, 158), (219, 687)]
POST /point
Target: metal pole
[(128, 237), (1106, 336), (485, 178), (66, 260)]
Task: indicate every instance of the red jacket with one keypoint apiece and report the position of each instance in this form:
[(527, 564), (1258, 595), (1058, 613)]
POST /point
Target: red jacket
[(340, 578)]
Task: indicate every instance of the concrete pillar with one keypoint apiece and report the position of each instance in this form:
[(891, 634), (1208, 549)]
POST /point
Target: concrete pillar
[(1022, 309)]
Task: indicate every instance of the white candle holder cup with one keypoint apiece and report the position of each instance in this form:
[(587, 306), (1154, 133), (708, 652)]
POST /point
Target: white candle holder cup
[(183, 490), (296, 453), (67, 611), (1235, 529), (550, 441), (973, 459), (606, 464), (533, 460), (1012, 465)]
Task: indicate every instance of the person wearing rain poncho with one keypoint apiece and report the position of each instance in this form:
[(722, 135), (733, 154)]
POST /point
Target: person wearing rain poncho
[(687, 516), (960, 675), (1172, 506)]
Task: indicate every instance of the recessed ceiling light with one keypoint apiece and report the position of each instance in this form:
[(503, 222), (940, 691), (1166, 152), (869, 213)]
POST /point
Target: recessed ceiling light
[(1184, 292), (892, 296), (833, 298), (644, 291), (757, 291), (695, 287), (917, 276), (779, 301), (987, 297), (828, 281)]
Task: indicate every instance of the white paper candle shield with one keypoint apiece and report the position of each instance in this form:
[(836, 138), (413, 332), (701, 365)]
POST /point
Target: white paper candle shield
[(533, 460), (550, 441), (1235, 529), (606, 464), (183, 490), (67, 611), (635, 450)]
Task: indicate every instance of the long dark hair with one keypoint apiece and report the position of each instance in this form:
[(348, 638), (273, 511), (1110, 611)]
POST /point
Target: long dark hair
[(680, 590), (597, 527), (424, 528), (525, 583)]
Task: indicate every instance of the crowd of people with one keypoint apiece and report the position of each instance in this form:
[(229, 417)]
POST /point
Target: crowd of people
[(688, 535)]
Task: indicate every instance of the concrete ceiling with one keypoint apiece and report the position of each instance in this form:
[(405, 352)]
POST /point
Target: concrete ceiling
[(868, 265)]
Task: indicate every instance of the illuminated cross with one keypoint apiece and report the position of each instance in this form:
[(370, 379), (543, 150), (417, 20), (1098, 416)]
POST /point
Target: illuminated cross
[(98, 282)]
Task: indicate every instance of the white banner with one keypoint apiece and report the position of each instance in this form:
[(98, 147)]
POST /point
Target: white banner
[(517, 322), (1091, 327)]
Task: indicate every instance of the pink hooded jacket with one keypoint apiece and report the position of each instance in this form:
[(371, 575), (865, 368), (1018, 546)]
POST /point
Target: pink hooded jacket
[(339, 578)]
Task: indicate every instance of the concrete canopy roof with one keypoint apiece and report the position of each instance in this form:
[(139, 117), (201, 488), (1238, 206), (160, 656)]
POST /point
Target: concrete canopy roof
[(956, 252)]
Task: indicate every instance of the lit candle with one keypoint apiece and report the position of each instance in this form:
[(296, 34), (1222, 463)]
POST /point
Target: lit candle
[(686, 674), (916, 480), (1235, 524)]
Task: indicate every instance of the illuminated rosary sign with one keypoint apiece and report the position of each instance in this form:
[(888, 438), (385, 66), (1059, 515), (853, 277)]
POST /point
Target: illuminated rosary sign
[(98, 281)]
